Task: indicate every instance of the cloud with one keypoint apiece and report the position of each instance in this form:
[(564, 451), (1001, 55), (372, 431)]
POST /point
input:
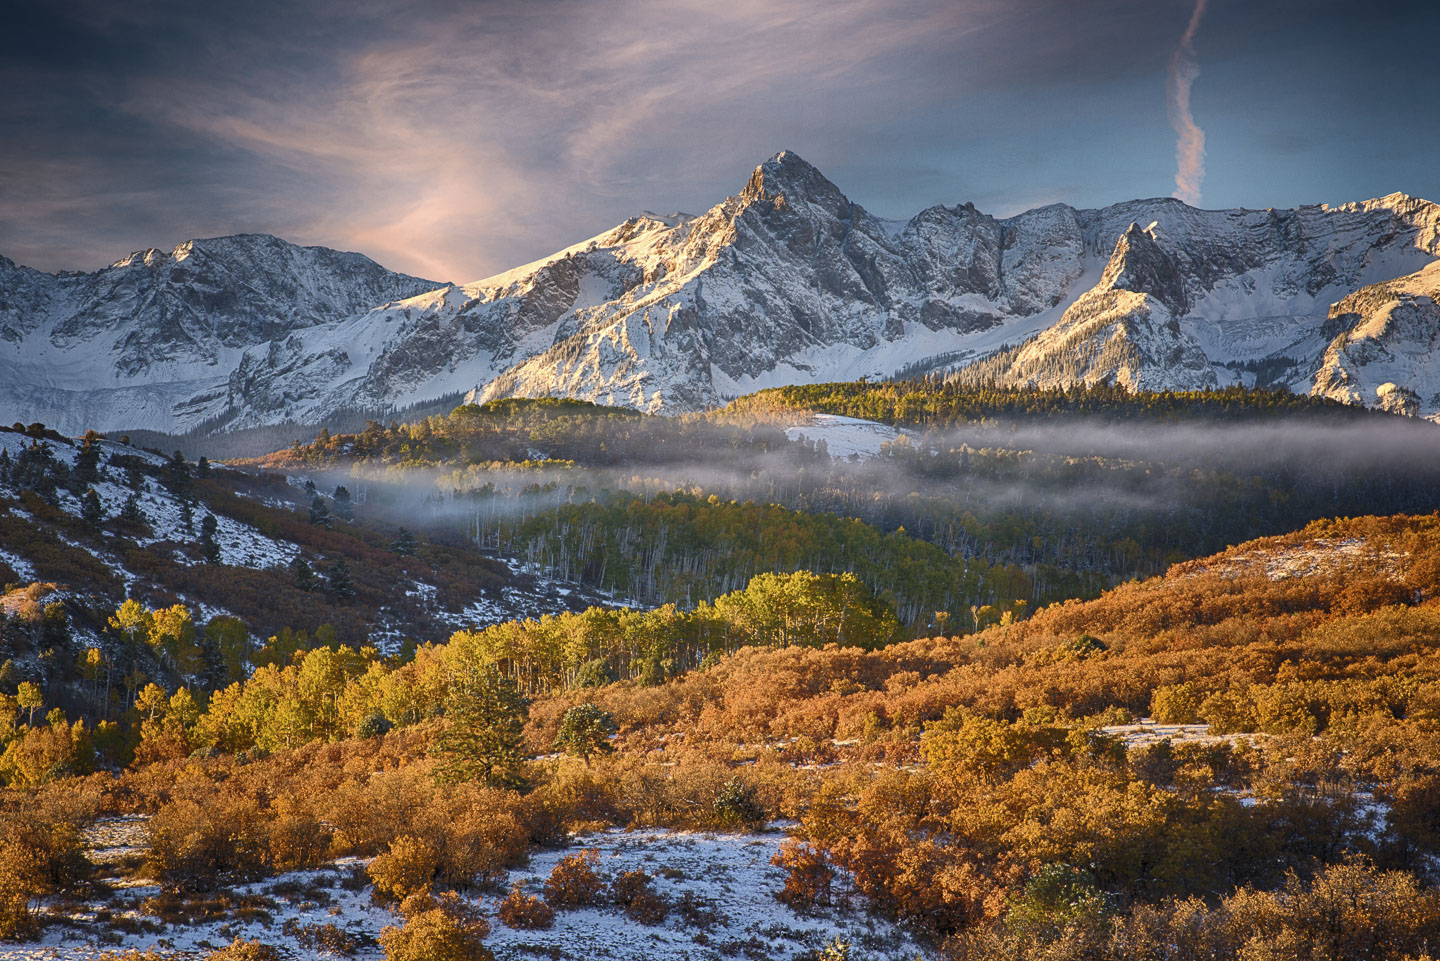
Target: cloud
[(457, 139), (1190, 145)]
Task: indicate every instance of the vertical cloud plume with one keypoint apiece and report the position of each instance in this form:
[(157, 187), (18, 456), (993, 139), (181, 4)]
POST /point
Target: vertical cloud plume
[(1190, 145)]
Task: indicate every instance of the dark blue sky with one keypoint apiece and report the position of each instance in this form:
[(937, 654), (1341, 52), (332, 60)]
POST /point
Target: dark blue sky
[(455, 140)]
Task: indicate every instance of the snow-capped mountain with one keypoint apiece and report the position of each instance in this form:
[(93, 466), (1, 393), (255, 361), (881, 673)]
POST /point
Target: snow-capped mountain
[(154, 339), (1208, 298), (786, 282)]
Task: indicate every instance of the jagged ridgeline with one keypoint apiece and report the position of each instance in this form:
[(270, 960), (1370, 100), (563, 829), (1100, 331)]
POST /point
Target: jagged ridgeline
[(987, 496)]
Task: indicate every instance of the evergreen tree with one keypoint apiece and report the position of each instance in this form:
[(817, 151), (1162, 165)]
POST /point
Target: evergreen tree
[(35, 470), (7, 466), (339, 577), (87, 460), (209, 546), (484, 737), (310, 487), (319, 513), (187, 516), (131, 512), (202, 467), (134, 479), (404, 543), (55, 628), (177, 476), (585, 729), (304, 574), (91, 512), (343, 508)]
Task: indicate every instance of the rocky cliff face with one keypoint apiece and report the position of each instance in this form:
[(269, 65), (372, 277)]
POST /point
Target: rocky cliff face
[(788, 281)]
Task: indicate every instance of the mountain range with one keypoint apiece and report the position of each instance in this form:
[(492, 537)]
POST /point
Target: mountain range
[(787, 281)]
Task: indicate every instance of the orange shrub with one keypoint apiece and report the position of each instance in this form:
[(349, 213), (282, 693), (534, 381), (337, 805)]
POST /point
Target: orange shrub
[(525, 911), (575, 882)]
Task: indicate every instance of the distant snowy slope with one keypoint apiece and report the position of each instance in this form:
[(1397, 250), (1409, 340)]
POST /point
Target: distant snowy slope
[(152, 340), (786, 282)]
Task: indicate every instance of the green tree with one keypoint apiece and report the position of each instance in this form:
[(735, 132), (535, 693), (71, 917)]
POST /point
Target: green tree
[(130, 513), (585, 730), (404, 543), (209, 546), (29, 699), (177, 476), (319, 513), (304, 575), (341, 585), (87, 460), (344, 509), (227, 649), (483, 739), (92, 514)]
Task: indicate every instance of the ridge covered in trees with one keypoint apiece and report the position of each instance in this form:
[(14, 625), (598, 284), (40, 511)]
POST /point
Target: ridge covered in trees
[(936, 403)]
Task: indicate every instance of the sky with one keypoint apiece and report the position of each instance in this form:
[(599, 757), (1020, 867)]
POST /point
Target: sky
[(456, 140)]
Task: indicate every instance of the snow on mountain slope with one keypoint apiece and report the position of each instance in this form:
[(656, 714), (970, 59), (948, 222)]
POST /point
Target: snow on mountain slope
[(1385, 353), (786, 282), (151, 341), (1247, 295), (1122, 330)]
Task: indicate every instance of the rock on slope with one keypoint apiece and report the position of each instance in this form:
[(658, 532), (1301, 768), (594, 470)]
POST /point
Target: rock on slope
[(786, 282)]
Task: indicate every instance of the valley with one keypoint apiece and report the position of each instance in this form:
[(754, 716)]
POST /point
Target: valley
[(861, 670)]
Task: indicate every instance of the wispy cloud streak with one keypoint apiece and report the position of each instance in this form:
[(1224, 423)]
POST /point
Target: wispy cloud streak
[(1190, 145)]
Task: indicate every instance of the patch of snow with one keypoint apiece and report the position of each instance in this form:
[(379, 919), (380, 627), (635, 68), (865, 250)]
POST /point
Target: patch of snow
[(730, 874), (844, 436)]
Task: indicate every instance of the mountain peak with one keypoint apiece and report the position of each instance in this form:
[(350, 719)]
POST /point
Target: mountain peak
[(1141, 265), (789, 176)]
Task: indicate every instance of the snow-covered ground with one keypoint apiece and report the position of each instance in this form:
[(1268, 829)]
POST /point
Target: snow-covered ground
[(240, 544), (729, 879), (1323, 555), (1148, 732), (844, 436)]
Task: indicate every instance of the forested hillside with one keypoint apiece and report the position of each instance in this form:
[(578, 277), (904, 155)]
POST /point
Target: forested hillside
[(940, 403), (1036, 496), (991, 791)]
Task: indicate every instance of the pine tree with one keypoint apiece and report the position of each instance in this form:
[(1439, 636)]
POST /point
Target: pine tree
[(319, 513), (35, 470), (484, 738), (343, 508), (177, 476), (304, 574), (202, 467), (209, 546), (404, 543), (339, 577), (87, 461), (585, 729), (92, 514), (7, 466), (187, 516), (131, 512)]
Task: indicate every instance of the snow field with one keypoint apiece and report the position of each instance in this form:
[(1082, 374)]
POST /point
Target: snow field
[(729, 876)]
